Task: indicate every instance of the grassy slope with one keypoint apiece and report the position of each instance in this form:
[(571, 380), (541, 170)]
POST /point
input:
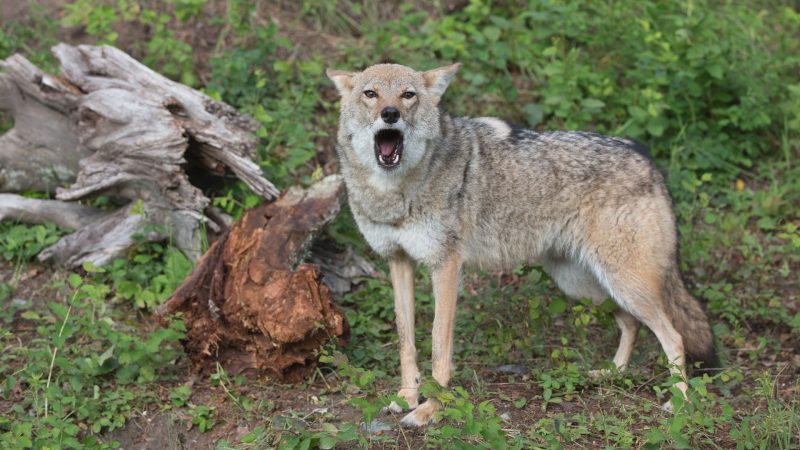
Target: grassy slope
[(712, 95)]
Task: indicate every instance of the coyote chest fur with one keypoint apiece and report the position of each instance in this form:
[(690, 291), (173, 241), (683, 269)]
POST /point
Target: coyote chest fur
[(425, 187)]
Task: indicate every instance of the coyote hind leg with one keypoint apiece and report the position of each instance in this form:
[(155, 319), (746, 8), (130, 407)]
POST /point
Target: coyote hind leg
[(630, 327), (578, 282), (639, 292)]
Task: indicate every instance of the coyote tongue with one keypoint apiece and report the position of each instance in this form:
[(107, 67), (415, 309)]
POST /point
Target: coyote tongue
[(386, 147)]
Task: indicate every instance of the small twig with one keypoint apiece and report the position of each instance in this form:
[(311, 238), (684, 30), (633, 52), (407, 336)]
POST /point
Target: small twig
[(55, 351), (403, 433), (319, 372), (225, 388)]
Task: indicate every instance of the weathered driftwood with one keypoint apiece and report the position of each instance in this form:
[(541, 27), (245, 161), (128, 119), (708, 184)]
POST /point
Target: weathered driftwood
[(113, 127), (251, 303), (342, 268), (42, 151), (65, 215)]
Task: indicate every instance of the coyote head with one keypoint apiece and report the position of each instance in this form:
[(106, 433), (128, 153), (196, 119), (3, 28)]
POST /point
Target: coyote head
[(389, 113)]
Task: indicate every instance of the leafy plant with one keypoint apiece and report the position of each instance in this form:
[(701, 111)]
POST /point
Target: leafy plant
[(149, 276), (22, 242), (203, 417), (69, 389)]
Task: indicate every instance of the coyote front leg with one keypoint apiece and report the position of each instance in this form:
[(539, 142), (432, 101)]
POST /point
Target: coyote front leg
[(401, 268), (445, 291)]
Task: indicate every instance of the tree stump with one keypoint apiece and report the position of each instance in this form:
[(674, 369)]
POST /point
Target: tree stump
[(112, 127), (252, 304)]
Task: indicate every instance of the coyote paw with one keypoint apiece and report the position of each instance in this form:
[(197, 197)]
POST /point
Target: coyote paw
[(411, 396), (392, 408), (423, 415)]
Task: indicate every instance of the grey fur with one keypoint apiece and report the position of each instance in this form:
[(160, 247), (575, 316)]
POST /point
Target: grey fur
[(592, 209)]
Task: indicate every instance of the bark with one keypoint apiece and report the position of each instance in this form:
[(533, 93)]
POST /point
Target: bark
[(111, 126), (252, 304)]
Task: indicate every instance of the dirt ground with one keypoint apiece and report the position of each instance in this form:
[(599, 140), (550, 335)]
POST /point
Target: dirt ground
[(326, 399)]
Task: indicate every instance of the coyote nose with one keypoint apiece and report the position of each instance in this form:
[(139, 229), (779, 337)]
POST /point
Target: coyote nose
[(390, 114)]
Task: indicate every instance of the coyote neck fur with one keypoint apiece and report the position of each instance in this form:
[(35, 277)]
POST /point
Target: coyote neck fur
[(394, 198)]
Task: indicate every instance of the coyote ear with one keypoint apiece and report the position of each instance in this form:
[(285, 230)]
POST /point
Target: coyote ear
[(436, 80), (343, 80)]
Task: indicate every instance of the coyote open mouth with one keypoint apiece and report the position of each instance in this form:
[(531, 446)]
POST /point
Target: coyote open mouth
[(388, 148)]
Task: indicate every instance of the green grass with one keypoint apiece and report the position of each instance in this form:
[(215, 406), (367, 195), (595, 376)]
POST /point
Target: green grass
[(710, 86)]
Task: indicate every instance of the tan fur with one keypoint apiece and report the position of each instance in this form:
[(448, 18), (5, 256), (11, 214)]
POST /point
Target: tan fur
[(402, 271), (629, 326), (423, 414), (445, 285), (592, 210)]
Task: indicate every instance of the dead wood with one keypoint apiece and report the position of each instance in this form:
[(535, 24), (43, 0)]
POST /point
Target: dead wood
[(42, 151), (342, 268), (251, 303), (111, 126), (66, 215)]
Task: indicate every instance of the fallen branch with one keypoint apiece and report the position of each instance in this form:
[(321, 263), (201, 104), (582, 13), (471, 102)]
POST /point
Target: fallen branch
[(66, 215)]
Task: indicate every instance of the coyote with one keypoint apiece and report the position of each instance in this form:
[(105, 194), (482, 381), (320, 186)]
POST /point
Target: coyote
[(593, 211)]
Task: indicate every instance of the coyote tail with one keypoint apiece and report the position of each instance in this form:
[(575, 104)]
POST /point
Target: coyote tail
[(690, 320)]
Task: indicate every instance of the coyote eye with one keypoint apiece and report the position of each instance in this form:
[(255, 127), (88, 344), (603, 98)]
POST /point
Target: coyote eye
[(408, 94), (370, 94)]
